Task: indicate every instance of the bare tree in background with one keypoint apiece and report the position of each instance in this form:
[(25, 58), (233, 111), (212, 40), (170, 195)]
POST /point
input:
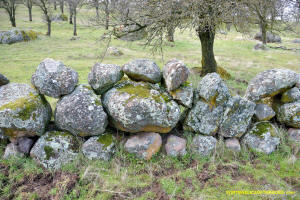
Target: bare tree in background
[(10, 6), (29, 4), (47, 10), (74, 5), (70, 12), (54, 4), (103, 10), (61, 5)]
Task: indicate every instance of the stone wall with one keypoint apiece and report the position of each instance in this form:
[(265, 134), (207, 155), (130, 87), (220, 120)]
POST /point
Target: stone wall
[(145, 104)]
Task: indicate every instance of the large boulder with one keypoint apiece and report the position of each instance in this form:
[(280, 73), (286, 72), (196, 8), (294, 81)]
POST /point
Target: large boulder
[(15, 35), (144, 145), (263, 137), (99, 147), (81, 112), (184, 95), (271, 37), (103, 77), (175, 146), (3, 80), (291, 95), (143, 70), (289, 114), (23, 112), (263, 112), (141, 107), (237, 117), (54, 79), (175, 73), (55, 148), (203, 145), (270, 83)]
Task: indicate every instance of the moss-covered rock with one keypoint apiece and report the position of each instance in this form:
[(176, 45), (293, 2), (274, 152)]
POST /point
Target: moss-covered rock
[(15, 35)]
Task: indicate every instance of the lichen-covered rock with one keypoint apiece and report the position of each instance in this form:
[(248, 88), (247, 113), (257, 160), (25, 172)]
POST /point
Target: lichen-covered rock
[(203, 145), (59, 17), (237, 117), (3, 80), (99, 148), (264, 112), (103, 77), (291, 95), (233, 144), (263, 137), (15, 35), (23, 112), (175, 146), (141, 107), (143, 70), (175, 73), (270, 83), (55, 148), (81, 112), (289, 114), (114, 51), (184, 95), (144, 145), (12, 150), (54, 79), (271, 37), (294, 134)]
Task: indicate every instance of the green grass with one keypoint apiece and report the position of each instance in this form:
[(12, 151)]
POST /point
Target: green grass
[(125, 177)]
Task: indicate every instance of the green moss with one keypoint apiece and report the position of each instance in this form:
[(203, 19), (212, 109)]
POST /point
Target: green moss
[(98, 102), (262, 128), (106, 140), (49, 152), (31, 34)]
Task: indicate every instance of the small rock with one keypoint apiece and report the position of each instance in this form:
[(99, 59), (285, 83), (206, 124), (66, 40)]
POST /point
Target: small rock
[(59, 17), (294, 134), (233, 144), (263, 137), (99, 148), (203, 145), (114, 51), (104, 76), (55, 149), (264, 112), (261, 46), (81, 113), (12, 150), (296, 40), (291, 95), (143, 70), (3, 80), (144, 145), (54, 79), (175, 73), (184, 95), (175, 146), (289, 114), (25, 144), (74, 38)]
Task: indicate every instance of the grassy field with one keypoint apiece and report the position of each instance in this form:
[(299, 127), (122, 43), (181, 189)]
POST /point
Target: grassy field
[(163, 177)]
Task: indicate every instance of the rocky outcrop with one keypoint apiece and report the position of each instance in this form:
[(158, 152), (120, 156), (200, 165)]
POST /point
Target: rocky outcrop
[(175, 146), (141, 107), (23, 112), (54, 79), (143, 70), (103, 77), (3, 80), (81, 113)]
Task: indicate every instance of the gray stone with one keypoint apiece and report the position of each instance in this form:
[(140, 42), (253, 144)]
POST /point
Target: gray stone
[(289, 114), (263, 137), (270, 83), (294, 134), (114, 51), (296, 41), (264, 112), (175, 73), (103, 77), (271, 37), (12, 150), (141, 107), (23, 112), (237, 117), (184, 95), (24, 144), (144, 145), (3, 80), (203, 145), (143, 70), (99, 148), (175, 146), (54, 79), (54, 149), (291, 95), (233, 144), (59, 17), (261, 46), (81, 112), (15, 35)]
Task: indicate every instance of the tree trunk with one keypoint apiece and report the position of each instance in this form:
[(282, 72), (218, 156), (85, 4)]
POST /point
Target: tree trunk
[(62, 6), (207, 38), (30, 13), (97, 10), (12, 20), (49, 28), (106, 16), (71, 16), (54, 4), (75, 28), (263, 28), (170, 34)]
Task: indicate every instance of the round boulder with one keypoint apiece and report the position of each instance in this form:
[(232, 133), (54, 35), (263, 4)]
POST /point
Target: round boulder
[(143, 70), (23, 112), (54, 79), (81, 113), (141, 107), (104, 76)]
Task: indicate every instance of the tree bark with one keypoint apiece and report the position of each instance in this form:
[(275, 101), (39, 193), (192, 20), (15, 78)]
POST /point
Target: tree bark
[(170, 34), (207, 38), (106, 15), (71, 16), (30, 13), (97, 10), (62, 6), (263, 28), (75, 28), (12, 19), (54, 4), (49, 27)]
